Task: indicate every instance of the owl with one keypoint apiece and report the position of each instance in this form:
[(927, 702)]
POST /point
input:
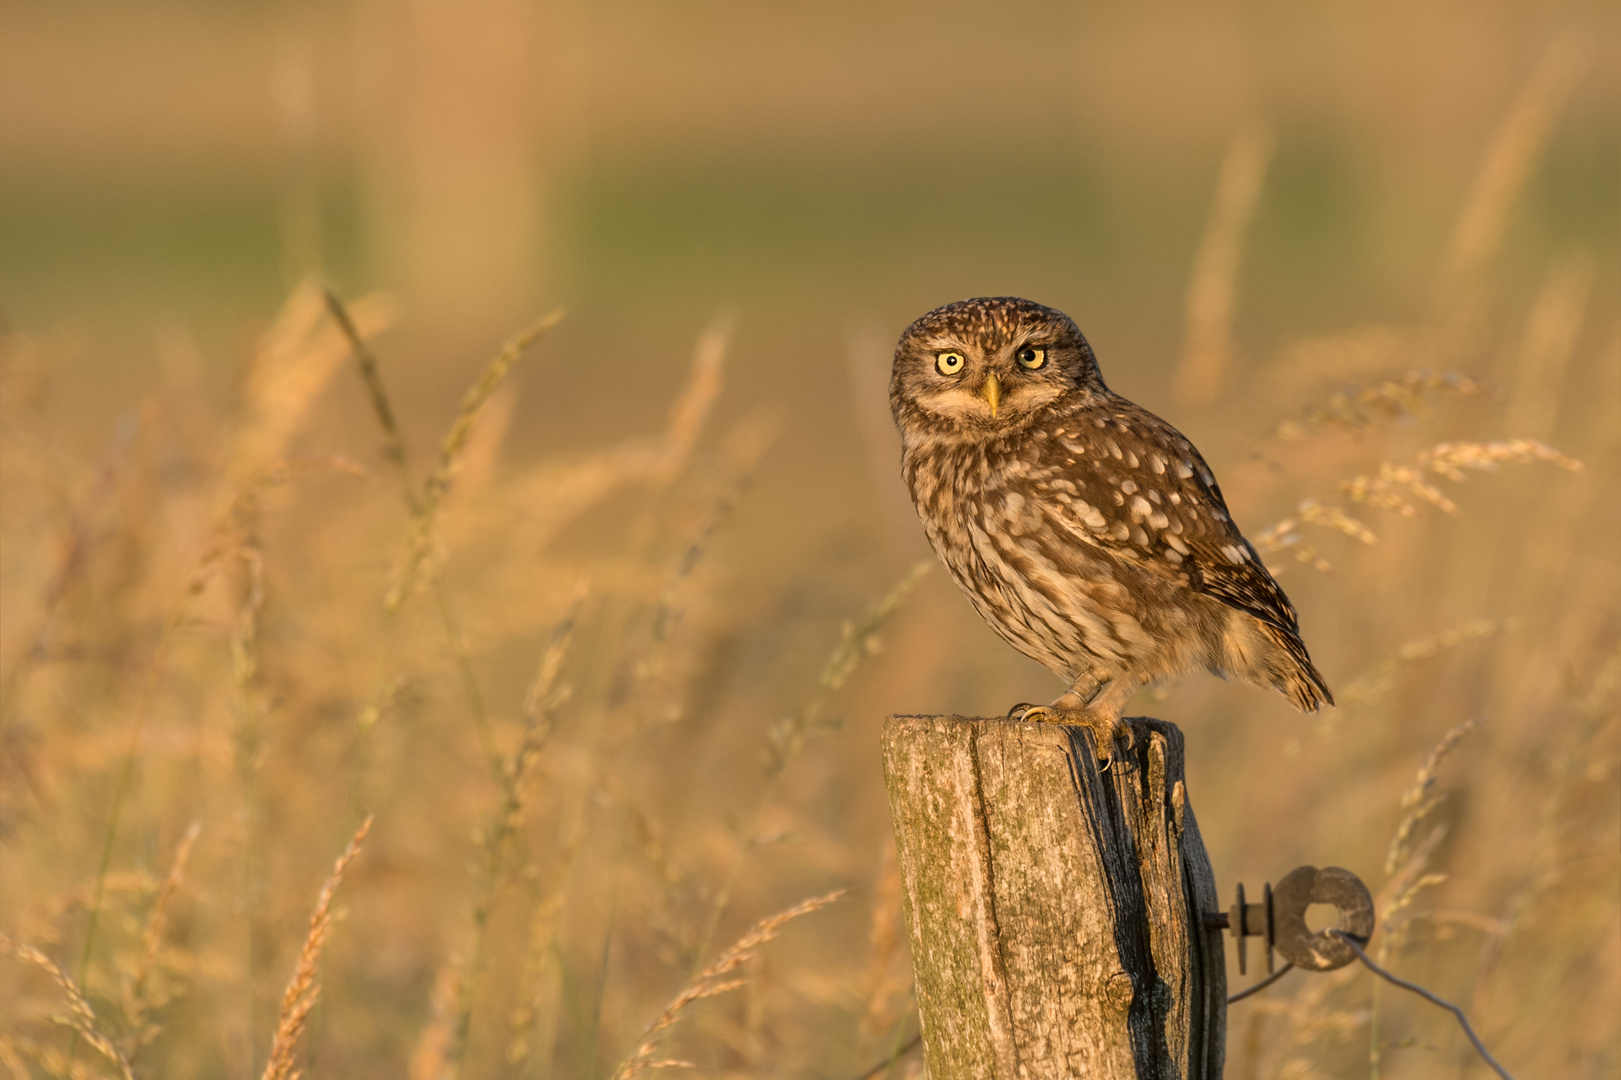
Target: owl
[(1084, 529)]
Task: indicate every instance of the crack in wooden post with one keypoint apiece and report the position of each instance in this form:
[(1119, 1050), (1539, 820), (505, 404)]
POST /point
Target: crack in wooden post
[(986, 937), (1054, 912)]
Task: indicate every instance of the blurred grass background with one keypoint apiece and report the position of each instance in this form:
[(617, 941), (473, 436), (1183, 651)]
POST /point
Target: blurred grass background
[(1265, 217)]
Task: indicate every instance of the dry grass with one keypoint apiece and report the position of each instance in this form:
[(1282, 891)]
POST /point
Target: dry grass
[(1515, 150), (81, 1018), (607, 704), (143, 997), (1213, 288), (302, 989), (718, 977)]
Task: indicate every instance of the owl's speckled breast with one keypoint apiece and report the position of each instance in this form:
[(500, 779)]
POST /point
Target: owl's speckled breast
[(1064, 606)]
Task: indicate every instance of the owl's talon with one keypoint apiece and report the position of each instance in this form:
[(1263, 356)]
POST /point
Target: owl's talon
[(1105, 729)]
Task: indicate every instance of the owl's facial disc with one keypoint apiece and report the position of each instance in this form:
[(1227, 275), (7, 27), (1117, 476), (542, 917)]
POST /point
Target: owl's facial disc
[(966, 383), (992, 363)]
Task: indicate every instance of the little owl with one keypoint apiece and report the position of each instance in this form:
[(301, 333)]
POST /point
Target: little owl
[(1087, 531)]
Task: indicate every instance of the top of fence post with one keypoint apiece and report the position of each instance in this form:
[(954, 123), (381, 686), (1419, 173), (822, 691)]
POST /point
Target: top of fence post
[(1055, 911)]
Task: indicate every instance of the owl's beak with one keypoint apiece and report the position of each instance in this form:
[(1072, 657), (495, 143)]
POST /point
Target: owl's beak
[(992, 392)]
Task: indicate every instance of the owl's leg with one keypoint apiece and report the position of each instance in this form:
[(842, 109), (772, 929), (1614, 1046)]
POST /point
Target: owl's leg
[(1093, 701)]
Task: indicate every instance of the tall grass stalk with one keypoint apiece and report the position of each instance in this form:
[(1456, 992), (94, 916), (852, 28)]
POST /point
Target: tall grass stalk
[(1213, 289), (81, 1018), (716, 978), (303, 989), (541, 702), (788, 736)]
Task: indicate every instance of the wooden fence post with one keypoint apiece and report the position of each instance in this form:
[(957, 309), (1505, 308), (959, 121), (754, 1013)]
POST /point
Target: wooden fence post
[(1055, 911)]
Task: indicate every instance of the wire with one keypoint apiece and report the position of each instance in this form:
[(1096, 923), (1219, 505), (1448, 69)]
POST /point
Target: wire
[(1350, 940), (1427, 996), (1262, 985)]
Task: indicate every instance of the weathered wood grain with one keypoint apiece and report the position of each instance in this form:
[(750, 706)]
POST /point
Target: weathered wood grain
[(1055, 911)]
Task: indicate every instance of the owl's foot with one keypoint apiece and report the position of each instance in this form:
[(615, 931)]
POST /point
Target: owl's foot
[(1106, 727)]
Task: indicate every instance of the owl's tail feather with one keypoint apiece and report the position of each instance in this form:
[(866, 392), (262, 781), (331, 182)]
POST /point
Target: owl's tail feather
[(1267, 655), (1300, 682)]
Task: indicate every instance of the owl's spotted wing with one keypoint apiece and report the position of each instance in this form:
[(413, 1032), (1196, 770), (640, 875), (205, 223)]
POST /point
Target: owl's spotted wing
[(1124, 481)]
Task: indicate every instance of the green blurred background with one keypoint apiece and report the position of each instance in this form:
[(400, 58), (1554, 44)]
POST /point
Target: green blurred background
[(820, 166)]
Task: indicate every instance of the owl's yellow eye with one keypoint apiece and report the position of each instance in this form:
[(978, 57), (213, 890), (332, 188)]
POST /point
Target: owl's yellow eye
[(948, 363), (1031, 357)]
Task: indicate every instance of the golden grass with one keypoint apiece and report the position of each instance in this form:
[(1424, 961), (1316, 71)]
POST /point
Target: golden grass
[(718, 977), (302, 989), (295, 359), (1397, 487), (1515, 150), (1369, 407), (1401, 488), (1421, 800), (1382, 679), (142, 999), (81, 1018), (605, 715), (541, 703), (425, 507), (1555, 319), (1213, 289)]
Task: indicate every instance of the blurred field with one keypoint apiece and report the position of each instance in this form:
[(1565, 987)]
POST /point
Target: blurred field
[(603, 649)]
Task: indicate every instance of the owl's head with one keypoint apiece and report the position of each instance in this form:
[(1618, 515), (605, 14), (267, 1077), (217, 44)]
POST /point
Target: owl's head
[(988, 364)]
